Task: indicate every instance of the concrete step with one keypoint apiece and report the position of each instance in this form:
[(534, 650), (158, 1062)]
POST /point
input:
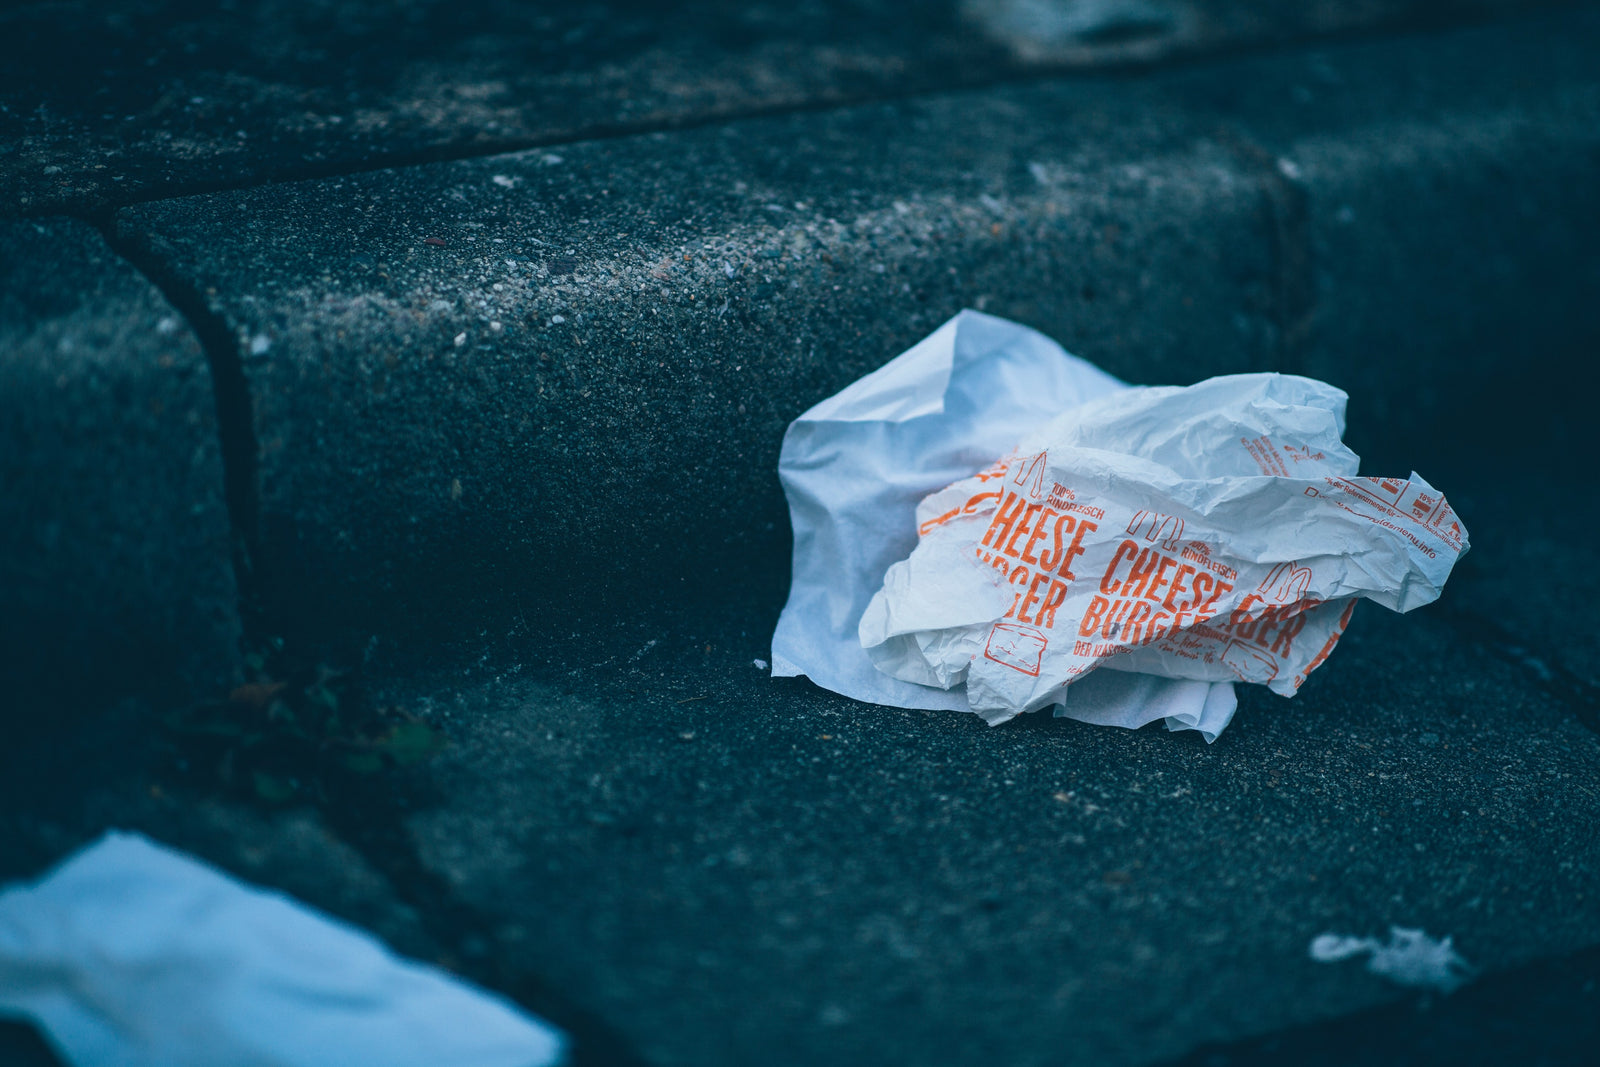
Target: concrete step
[(731, 869), (636, 831), (641, 835), (261, 92), (116, 574), (540, 385), (713, 867)]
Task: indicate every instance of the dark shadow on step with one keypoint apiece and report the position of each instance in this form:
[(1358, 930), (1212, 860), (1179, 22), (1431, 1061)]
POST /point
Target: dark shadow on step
[(1545, 1014)]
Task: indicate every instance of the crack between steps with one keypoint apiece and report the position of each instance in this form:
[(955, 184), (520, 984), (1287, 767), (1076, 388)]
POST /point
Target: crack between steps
[(234, 409), (370, 821)]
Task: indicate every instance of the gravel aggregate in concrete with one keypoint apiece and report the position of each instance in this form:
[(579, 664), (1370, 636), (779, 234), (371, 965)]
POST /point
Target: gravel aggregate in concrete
[(114, 533)]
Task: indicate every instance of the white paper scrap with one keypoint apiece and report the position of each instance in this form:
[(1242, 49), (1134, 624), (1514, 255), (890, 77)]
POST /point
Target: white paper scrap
[(134, 955), (1409, 958), (1210, 532), (856, 466)]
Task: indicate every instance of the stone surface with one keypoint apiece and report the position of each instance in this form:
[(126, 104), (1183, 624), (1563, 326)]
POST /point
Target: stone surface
[(637, 832), (1448, 241), (720, 867), (110, 102), (732, 868), (491, 390), (578, 390), (114, 534), (1516, 466)]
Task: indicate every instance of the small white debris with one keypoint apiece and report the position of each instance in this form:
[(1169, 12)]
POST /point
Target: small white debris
[(552, 160), (1410, 958), (167, 326), (505, 182), (461, 339), (496, 327), (761, 664), (1289, 169), (557, 320), (260, 344), (52, 169), (1331, 948)]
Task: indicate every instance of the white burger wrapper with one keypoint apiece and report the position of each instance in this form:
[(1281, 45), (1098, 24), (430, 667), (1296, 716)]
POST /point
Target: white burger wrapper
[(1212, 532), (854, 468), (133, 955)]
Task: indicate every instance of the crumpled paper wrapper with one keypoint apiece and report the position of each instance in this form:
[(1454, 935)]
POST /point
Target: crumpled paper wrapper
[(856, 466), (1214, 532)]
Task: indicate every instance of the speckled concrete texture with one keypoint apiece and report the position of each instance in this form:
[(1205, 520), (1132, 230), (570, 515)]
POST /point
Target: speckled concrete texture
[(560, 377), (1445, 217), (136, 99), (114, 533), (487, 439), (565, 375), (731, 868)]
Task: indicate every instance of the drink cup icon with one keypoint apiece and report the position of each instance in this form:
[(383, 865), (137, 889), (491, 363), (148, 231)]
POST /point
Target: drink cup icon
[(1029, 476), (1285, 583)]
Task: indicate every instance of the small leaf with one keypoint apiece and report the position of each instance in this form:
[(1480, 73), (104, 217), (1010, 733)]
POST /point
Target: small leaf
[(272, 789), (279, 711), (255, 695), (412, 742), (322, 696), (362, 762)]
